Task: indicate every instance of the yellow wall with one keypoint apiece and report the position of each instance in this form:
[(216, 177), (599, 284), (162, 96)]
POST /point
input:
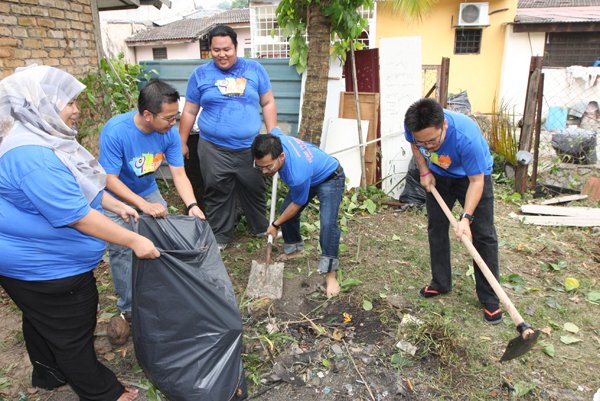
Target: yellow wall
[(478, 74)]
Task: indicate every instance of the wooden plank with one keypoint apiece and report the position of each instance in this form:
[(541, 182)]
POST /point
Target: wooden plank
[(563, 199), (369, 110), (561, 221), (586, 212)]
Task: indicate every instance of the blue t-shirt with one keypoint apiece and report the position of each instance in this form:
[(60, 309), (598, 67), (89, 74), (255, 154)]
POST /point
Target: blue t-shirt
[(305, 166), (134, 156), (230, 102), (39, 197), (464, 152)]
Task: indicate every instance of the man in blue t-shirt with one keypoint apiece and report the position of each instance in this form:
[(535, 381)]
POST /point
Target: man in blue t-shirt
[(454, 157), (132, 147), (231, 92), (308, 172)]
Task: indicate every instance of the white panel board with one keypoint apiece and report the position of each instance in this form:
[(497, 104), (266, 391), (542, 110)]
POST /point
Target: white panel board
[(400, 81), (342, 133)]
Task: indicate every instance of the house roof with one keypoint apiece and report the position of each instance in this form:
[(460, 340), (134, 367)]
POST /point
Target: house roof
[(556, 3), (189, 29), (557, 15)]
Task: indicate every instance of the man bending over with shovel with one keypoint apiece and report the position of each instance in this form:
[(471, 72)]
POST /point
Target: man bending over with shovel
[(454, 158), (308, 172)]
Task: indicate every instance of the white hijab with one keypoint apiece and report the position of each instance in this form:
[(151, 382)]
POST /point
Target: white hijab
[(30, 102)]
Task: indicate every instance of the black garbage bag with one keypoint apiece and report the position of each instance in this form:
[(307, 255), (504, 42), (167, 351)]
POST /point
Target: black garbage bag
[(187, 328), (459, 103), (413, 193), (575, 145)]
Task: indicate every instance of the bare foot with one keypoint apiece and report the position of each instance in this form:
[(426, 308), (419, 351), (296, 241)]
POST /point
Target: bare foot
[(287, 256), (333, 287), (129, 394)]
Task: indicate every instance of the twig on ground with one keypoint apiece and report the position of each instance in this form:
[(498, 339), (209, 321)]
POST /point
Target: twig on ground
[(358, 371), (271, 387), (318, 329)]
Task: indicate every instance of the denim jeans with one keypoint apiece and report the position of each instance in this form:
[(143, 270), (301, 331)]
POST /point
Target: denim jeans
[(121, 258), (483, 231), (330, 196)]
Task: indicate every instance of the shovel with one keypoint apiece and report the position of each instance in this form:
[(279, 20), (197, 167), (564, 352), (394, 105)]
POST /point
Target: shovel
[(266, 280), (528, 336)]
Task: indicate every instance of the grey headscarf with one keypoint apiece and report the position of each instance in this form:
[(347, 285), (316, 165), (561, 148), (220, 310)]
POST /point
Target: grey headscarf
[(30, 102)]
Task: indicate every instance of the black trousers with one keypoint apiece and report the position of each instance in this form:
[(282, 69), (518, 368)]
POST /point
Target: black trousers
[(483, 231), (59, 318), (192, 169), (228, 176)]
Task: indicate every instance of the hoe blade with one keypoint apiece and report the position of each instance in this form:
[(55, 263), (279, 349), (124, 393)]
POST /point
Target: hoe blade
[(519, 346)]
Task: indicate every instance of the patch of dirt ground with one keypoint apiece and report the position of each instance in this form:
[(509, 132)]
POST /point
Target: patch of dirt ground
[(378, 340)]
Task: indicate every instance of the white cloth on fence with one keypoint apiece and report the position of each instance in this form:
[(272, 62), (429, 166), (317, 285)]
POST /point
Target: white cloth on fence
[(587, 74)]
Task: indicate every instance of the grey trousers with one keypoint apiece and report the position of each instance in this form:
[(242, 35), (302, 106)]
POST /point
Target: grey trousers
[(228, 176)]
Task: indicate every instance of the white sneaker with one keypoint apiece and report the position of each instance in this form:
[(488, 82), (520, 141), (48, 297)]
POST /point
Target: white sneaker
[(222, 247)]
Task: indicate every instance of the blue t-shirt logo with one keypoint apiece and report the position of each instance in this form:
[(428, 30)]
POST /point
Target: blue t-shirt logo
[(147, 163)]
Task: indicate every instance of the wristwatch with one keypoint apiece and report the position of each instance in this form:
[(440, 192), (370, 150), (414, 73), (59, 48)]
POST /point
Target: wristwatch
[(467, 216), (277, 226)]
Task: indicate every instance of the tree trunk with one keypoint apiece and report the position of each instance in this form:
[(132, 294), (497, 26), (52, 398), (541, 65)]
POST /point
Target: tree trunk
[(317, 70)]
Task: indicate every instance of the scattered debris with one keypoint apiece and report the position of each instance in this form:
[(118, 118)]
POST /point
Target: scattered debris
[(407, 347), (563, 199)]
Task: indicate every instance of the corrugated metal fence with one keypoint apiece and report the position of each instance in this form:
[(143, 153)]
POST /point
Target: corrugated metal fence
[(286, 83)]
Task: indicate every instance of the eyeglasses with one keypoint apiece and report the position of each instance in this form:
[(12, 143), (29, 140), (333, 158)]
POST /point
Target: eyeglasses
[(431, 141), (268, 167), (168, 119)]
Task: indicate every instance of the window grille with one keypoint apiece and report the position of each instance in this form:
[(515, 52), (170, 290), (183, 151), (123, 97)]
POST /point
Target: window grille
[(159, 53), (267, 38), (467, 41), (564, 49)]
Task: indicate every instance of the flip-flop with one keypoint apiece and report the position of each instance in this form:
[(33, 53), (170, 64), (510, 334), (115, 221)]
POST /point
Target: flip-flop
[(288, 256), (428, 292)]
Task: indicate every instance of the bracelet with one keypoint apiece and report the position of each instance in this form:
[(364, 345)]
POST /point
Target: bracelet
[(426, 174), (190, 206), (277, 226)]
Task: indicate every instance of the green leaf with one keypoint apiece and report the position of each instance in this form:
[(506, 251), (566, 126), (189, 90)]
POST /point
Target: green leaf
[(371, 206), (367, 305), (343, 248), (548, 349), (326, 362), (515, 278), (571, 283), (521, 389), (551, 302), (593, 296), (569, 339), (396, 238), (570, 327), (348, 283)]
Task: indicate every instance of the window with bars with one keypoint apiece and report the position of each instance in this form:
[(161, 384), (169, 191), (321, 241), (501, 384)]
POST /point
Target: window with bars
[(467, 41), (564, 49), (159, 53), (267, 38)]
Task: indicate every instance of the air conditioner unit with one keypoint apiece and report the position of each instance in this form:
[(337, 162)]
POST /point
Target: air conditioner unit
[(473, 14)]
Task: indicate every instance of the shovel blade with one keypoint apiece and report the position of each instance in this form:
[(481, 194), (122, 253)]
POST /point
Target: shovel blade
[(265, 281), (519, 346)]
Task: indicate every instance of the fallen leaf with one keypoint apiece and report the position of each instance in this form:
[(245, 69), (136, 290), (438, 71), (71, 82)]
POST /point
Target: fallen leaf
[(570, 327), (548, 349), (367, 305), (109, 356), (571, 283), (338, 334), (593, 296), (569, 340), (547, 330)]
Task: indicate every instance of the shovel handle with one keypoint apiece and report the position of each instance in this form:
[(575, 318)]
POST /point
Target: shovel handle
[(272, 216), (510, 308)]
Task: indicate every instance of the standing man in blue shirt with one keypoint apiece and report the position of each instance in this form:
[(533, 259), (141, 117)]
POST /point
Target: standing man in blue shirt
[(308, 172), (231, 92), (454, 157), (132, 147)]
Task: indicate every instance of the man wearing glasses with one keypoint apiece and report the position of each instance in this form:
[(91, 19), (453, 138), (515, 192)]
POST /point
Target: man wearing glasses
[(132, 147), (308, 172), (454, 157)]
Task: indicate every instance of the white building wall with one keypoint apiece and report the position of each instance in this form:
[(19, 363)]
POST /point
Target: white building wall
[(180, 51), (518, 50), (113, 39), (244, 40)]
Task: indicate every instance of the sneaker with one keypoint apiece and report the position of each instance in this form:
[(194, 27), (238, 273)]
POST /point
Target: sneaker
[(492, 314), (126, 315), (428, 292), (222, 246)]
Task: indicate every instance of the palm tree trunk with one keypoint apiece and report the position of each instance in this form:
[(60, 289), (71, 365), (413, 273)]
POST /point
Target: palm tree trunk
[(317, 70)]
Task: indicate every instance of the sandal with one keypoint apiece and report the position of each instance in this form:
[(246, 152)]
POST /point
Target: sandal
[(428, 292)]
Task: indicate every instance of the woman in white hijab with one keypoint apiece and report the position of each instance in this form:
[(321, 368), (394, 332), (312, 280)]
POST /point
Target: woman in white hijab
[(53, 232)]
